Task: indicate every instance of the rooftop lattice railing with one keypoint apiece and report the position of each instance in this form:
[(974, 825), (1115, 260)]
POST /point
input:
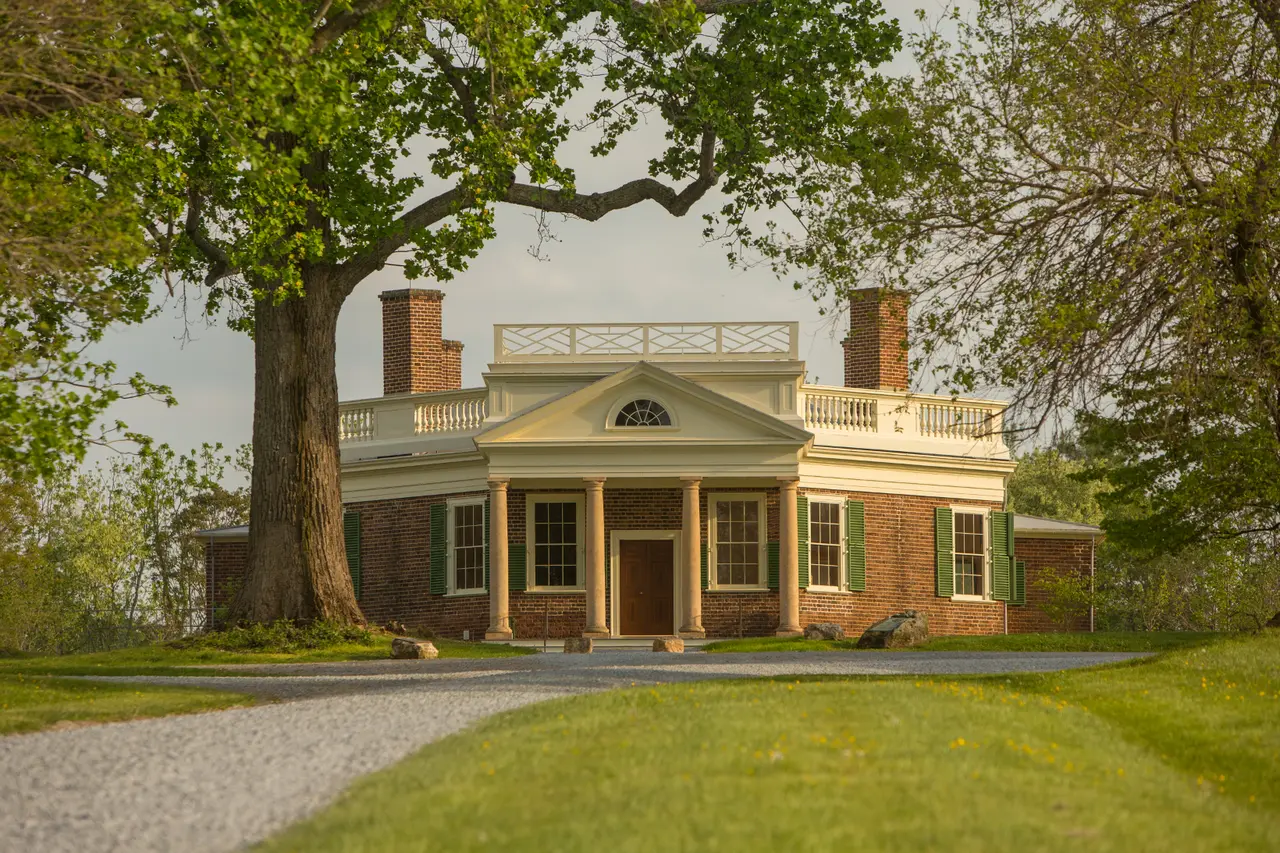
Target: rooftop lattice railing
[(645, 341)]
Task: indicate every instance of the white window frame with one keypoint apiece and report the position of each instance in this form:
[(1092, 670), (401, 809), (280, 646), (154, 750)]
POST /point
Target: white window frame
[(530, 531), (985, 512), (714, 498), (842, 567), (610, 423), (451, 573)]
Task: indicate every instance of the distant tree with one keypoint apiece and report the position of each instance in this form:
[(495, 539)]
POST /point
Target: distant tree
[(294, 184), (1053, 483), (1091, 220), (108, 556)]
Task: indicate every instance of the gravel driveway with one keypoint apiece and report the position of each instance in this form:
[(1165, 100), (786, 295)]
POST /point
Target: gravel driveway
[(221, 781)]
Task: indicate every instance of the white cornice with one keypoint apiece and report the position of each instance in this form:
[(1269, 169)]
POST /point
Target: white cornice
[(906, 459)]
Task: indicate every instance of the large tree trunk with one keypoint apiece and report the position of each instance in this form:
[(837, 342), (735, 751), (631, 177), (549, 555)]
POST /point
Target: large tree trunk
[(297, 563)]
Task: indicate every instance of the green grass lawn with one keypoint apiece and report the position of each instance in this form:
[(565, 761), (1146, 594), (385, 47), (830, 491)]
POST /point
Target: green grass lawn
[(1102, 641), (1179, 752), (165, 659), (30, 703)]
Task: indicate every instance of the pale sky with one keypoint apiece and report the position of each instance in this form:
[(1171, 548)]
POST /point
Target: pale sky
[(635, 265)]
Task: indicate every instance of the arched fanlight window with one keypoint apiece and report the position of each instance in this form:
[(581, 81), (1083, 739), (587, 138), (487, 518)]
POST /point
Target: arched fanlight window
[(642, 413)]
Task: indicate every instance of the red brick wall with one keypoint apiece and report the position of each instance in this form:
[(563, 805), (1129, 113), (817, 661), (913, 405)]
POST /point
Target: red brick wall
[(875, 352), (1069, 555), (224, 567), (414, 358), (901, 573), (396, 551)]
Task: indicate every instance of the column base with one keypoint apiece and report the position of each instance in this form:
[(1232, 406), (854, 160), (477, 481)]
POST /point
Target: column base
[(502, 634), (692, 634), (788, 632), (597, 634)]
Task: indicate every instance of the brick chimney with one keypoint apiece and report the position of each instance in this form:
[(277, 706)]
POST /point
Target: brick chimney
[(875, 352), (415, 358)]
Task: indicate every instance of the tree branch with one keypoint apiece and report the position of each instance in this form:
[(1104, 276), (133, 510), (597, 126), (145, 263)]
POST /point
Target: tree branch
[(220, 265), (348, 20), (453, 75), (431, 211), (594, 206)]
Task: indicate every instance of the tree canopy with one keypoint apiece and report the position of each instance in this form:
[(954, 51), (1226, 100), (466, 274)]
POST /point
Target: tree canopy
[(315, 142), (1088, 220), (74, 149)]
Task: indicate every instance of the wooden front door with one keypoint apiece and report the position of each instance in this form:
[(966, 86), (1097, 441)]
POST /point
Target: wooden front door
[(646, 573)]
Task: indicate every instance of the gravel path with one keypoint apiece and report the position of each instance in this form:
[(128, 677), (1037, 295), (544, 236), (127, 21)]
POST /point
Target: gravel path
[(221, 781)]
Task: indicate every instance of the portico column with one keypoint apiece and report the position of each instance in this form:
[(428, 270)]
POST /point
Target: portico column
[(596, 626), (499, 603), (788, 560), (691, 540)]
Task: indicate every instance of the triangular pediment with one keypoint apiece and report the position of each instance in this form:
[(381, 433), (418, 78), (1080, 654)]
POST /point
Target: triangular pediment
[(697, 414)]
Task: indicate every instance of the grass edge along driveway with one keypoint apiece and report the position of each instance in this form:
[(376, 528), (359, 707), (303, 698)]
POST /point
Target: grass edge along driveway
[(166, 659), (1178, 752), (33, 697), (1100, 641), (31, 703)]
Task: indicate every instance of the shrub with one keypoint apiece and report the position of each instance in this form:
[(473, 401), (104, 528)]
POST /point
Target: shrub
[(282, 636)]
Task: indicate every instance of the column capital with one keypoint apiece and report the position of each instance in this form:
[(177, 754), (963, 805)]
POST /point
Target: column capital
[(691, 481), (789, 480), (499, 483), (594, 482)]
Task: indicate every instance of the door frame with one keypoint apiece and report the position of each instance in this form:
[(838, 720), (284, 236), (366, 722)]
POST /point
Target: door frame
[(615, 538)]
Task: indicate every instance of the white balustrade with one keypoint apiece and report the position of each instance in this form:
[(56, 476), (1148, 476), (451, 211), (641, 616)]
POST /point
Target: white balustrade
[(951, 420), (399, 417), (355, 424), (636, 341), (840, 412), (450, 416)]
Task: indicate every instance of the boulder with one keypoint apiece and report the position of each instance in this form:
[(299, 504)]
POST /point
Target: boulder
[(578, 646), (900, 630), (410, 648), (823, 631), (669, 644)]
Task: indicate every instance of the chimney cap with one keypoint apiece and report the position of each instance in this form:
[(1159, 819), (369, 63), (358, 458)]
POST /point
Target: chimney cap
[(412, 294)]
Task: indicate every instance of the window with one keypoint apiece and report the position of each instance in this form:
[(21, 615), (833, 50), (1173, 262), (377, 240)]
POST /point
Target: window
[(970, 553), (466, 548), (824, 543), (555, 543), (737, 532), (642, 413)]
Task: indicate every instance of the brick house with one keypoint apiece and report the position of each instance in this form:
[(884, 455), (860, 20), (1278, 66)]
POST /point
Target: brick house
[(618, 480)]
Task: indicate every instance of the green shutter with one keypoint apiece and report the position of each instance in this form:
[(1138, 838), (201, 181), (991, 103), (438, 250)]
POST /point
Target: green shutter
[(516, 567), (802, 537), (1000, 580), (486, 543), (855, 543), (705, 574), (439, 548), (772, 550), (351, 538), (943, 546), (1019, 583)]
